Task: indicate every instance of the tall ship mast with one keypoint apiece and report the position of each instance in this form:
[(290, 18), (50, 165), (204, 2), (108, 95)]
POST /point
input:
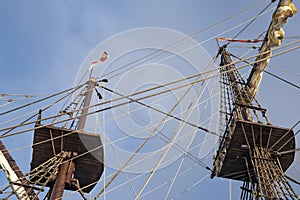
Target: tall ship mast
[(250, 147), (61, 160), (72, 156)]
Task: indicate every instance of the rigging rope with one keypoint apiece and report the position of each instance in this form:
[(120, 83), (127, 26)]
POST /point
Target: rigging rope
[(178, 138), (118, 158), (72, 132), (169, 145), (296, 124), (133, 179), (191, 187), (194, 35), (41, 175), (171, 179), (178, 87), (283, 70), (37, 101), (42, 109), (211, 38), (243, 29), (267, 72), (208, 71), (137, 150), (282, 79), (200, 163), (109, 175), (289, 151), (162, 112), (206, 100)]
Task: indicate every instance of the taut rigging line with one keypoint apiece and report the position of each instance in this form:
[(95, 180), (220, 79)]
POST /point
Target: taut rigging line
[(43, 99), (271, 74), (155, 94), (160, 111), (243, 29), (43, 109), (194, 35)]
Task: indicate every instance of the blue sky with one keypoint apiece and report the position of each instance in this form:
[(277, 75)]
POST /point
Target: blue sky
[(43, 44)]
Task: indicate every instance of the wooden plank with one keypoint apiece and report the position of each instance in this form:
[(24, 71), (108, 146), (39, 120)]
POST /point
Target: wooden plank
[(233, 165), (88, 167)]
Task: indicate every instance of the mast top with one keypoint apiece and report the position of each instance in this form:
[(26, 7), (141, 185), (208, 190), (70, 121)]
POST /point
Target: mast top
[(274, 37)]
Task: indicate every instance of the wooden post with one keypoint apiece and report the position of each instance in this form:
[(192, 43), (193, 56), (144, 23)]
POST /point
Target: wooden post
[(86, 104), (66, 171), (59, 186), (70, 170)]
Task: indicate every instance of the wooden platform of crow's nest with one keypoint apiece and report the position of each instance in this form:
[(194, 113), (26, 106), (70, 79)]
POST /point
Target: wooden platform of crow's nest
[(88, 165), (271, 137)]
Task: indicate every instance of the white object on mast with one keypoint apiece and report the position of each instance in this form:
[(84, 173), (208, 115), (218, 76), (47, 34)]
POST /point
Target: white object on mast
[(12, 177), (274, 37)]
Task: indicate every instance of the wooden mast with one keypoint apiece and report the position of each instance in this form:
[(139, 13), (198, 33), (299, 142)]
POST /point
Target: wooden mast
[(274, 37), (248, 149), (66, 171)]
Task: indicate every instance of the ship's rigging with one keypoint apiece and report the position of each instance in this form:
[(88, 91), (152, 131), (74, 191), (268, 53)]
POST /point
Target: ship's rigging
[(237, 94)]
